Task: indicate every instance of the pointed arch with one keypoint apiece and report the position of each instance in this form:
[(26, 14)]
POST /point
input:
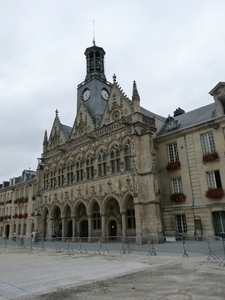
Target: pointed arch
[(127, 196), (53, 208), (106, 200), (64, 211)]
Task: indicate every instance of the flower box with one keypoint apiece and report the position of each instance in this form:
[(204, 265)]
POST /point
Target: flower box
[(215, 193), (209, 157), (24, 216), (172, 166), (32, 214), (178, 197)]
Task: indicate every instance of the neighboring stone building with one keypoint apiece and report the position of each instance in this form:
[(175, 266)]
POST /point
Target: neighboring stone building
[(18, 205), (122, 170), (191, 151)]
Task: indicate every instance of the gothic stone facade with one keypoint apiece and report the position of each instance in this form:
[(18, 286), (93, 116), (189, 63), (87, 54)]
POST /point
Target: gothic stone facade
[(122, 170)]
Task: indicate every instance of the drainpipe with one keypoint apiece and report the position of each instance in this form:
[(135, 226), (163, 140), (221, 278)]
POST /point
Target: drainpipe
[(193, 201)]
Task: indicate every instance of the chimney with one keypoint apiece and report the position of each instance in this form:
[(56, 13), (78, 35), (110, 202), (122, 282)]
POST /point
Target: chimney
[(178, 111)]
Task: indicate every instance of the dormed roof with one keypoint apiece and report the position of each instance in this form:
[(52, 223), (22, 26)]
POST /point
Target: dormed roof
[(191, 118)]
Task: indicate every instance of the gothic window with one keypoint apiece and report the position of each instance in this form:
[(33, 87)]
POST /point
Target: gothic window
[(127, 158), (90, 167), (60, 177), (70, 174), (181, 223), (173, 152), (208, 142), (46, 179), (214, 180), (53, 178), (79, 170), (131, 219), (96, 217), (177, 185), (102, 170), (115, 160)]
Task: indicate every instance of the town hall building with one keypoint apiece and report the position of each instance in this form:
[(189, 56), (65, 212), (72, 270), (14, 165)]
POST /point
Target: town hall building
[(121, 170)]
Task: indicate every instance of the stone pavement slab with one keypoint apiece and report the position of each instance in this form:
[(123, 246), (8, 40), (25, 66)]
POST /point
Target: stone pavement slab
[(42, 275), (27, 273)]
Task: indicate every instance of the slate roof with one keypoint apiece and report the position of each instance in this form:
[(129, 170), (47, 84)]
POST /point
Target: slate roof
[(67, 130), (151, 114), (191, 118)]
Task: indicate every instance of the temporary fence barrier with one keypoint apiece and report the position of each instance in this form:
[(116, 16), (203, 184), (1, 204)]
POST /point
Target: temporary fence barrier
[(212, 246)]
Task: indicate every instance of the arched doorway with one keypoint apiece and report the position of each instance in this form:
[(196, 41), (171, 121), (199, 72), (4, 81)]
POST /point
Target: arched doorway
[(112, 228), (7, 227), (69, 228), (84, 229)]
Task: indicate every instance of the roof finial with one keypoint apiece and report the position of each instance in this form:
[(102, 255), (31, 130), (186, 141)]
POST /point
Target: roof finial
[(93, 32), (114, 78), (56, 112)]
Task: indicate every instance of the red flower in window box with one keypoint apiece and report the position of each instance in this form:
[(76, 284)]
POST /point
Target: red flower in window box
[(20, 216), (172, 166), (32, 214), (178, 197), (215, 193), (25, 215), (208, 157)]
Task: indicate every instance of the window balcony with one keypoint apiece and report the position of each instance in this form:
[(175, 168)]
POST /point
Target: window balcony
[(172, 166), (210, 157), (178, 197), (215, 193)]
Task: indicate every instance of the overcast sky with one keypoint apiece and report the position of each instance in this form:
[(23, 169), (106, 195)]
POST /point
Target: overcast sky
[(175, 50)]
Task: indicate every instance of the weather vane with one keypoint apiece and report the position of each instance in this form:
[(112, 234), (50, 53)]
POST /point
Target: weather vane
[(93, 32)]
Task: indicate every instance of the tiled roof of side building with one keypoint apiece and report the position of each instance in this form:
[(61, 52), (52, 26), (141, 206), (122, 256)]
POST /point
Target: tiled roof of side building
[(191, 118)]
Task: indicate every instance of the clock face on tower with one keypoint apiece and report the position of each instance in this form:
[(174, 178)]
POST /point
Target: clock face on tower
[(105, 94), (86, 94)]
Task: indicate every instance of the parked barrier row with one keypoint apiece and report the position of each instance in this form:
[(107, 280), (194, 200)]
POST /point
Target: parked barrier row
[(211, 246)]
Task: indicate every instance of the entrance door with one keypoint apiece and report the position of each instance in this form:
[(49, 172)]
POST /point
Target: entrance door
[(84, 229), (69, 229), (219, 223), (113, 229), (7, 231)]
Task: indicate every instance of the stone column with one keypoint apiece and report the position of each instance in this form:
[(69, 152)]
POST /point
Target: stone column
[(103, 225), (89, 227), (11, 229), (63, 228), (124, 223), (73, 226)]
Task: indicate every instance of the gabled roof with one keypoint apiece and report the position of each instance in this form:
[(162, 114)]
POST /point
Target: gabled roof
[(191, 118)]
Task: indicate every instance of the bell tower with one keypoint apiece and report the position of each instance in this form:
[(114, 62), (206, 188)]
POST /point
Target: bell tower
[(95, 62), (94, 91)]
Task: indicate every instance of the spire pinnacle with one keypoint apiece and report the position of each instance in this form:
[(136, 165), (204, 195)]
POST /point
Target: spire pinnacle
[(135, 98), (135, 91)]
